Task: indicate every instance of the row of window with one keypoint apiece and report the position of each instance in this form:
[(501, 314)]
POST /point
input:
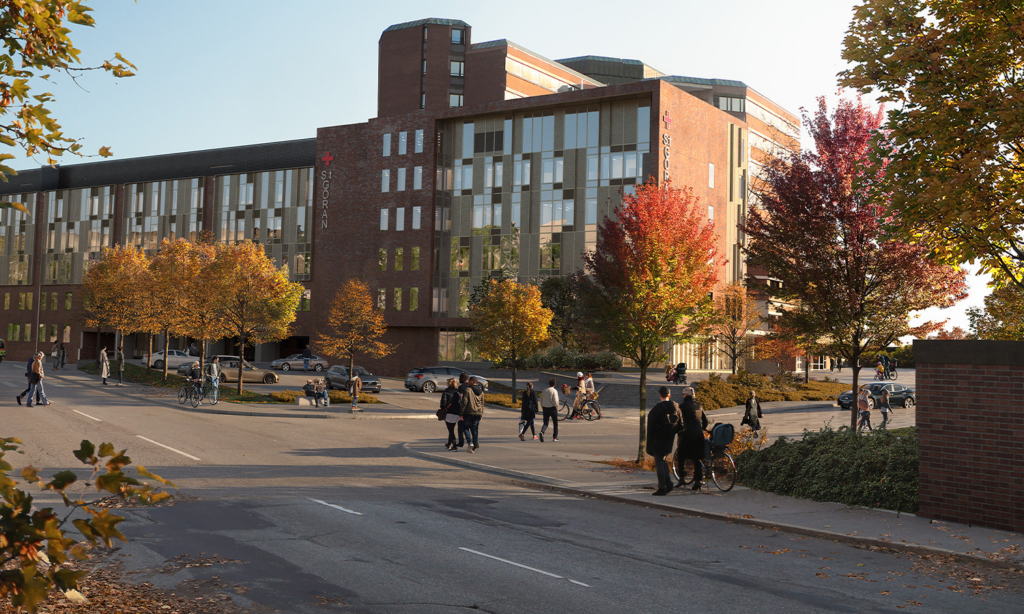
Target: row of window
[(25, 301), (46, 332), (399, 259), (403, 143), (402, 174), (616, 165), (400, 218), (396, 301)]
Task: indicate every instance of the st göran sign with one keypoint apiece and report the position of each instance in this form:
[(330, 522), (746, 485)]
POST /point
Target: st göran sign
[(666, 140), (325, 188)]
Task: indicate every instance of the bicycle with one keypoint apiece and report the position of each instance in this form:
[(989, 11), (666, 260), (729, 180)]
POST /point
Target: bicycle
[(208, 391), (590, 410), (891, 374), (716, 462), (190, 391)]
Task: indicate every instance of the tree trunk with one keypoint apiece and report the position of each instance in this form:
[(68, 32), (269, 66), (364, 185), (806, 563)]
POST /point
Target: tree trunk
[(513, 378), (640, 452), (241, 360), (167, 348), (149, 357), (807, 369), (351, 372), (202, 358), (855, 366)]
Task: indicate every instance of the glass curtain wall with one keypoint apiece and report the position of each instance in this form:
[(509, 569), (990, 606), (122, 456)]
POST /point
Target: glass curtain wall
[(161, 210), (17, 241), (79, 224)]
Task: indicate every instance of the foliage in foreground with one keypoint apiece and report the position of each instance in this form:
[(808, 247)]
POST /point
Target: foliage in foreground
[(877, 471), (716, 393), (35, 551)]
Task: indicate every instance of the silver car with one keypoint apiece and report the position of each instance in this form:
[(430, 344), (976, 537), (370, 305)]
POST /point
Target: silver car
[(432, 379), (337, 379), (295, 362)]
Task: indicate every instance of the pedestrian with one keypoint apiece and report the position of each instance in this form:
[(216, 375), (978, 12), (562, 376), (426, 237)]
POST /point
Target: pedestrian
[(663, 422), (192, 351), (36, 382), (691, 440), (213, 373), (119, 358), (549, 407), (884, 406), (839, 362), (321, 391), (28, 379), (589, 393), (355, 386), (753, 414), (307, 354), (63, 355), (668, 371), (865, 410), (104, 365), (450, 405), (527, 412), (55, 354), (472, 405)]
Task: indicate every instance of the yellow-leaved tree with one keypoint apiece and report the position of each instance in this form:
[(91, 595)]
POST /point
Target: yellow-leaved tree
[(203, 289), (257, 301), (172, 271), (114, 291), (509, 323), (354, 326)]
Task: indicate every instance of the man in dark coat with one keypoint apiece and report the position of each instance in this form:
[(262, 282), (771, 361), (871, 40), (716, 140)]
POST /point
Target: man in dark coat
[(691, 439), (663, 423)]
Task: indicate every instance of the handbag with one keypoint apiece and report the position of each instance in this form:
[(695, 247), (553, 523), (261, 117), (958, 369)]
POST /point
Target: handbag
[(441, 414)]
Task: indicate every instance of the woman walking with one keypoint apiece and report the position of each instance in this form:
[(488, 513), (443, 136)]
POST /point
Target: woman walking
[(884, 407), (753, 414), (865, 410), (691, 439), (63, 356), (55, 354), (104, 366), (450, 399), (36, 382), (528, 412), (119, 359)]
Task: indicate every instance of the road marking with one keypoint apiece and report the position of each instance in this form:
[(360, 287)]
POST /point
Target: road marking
[(580, 583), (86, 415), (337, 507), (533, 569), (168, 447)]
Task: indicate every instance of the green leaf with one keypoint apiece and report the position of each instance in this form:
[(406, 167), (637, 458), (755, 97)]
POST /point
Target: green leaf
[(152, 476), (61, 480), (104, 525), (86, 453), (106, 449)]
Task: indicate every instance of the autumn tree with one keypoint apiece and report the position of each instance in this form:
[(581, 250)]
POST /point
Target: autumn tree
[(821, 228), (114, 292), (202, 291), (955, 135), (736, 317), (509, 323), (1002, 317), (354, 325), (778, 349), (562, 296), (170, 272), (649, 277), (257, 302), (953, 334)]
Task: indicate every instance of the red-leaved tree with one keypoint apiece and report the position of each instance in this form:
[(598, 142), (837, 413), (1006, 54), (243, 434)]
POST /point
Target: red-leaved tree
[(649, 278), (820, 227)]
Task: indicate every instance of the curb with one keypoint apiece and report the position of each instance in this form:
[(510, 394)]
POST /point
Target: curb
[(539, 482)]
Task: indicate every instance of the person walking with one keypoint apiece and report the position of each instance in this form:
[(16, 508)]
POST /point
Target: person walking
[(104, 365), (119, 359), (472, 412), (663, 422), (884, 406), (527, 412), (865, 410), (63, 356), (36, 382), (28, 379), (590, 393), (450, 405), (355, 386), (691, 439), (839, 364), (753, 414), (549, 407), (307, 355), (213, 374), (55, 354)]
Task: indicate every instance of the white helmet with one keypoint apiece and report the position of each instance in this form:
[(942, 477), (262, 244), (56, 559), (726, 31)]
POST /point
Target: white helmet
[(579, 374)]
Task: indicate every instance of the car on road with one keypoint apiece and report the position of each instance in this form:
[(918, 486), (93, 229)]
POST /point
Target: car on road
[(899, 395), (175, 358), (432, 379), (337, 379), (294, 362), (229, 371)]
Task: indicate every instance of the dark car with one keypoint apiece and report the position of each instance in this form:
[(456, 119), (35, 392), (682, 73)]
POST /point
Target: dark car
[(337, 379), (431, 379), (899, 395)]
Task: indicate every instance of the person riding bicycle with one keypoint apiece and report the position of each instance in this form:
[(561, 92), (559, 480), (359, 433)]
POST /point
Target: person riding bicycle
[(195, 377), (679, 376), (581, 397), (879, 371), (590, 393)]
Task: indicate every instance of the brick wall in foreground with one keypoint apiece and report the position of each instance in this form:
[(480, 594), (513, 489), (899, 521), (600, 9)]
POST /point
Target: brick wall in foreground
[(970, 418)]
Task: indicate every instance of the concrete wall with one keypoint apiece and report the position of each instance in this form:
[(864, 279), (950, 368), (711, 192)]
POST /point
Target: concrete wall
[(970, 417)]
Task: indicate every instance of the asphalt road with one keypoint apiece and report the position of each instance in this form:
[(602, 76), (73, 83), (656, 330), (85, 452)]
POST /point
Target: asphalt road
[(330, 515)]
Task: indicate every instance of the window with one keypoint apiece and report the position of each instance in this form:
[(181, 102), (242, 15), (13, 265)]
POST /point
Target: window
[(400, 218), (590, 211), (403, 142), (398, 299), (401, 180), (711, 213), (382, 297), (387, 144), (414, 299), (7, 300), (53, 301), (29, 300), (385, 180), (416, 218), (424, 67), (414, 259), (383, 219), (67, 300), (711, 175), (398, 259), (417, 177), (67, 334), (382, 259), (458, 69), (458, 37), (14, 331), (42, 333), (423, 101), (455, 100), (28, 332), (418, 146), (468, 130), (731, 103), (53, 332)]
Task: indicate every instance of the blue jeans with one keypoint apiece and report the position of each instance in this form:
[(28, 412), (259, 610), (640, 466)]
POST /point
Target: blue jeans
[(214, 388), (470, 426), (305, 364), (34, 389)]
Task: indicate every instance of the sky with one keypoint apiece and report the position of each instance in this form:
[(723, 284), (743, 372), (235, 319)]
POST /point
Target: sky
[(222, 73)]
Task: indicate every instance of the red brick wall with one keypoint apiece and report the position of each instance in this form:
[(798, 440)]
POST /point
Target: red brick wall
[(970, 420)]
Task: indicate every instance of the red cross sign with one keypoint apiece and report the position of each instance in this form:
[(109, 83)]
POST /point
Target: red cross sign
[(327, 159)]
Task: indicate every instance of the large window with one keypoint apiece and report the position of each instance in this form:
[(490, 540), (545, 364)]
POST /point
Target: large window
[(455, 100), (80, 224), (458, 37), (458, 69), (731, 103), (17, 241)]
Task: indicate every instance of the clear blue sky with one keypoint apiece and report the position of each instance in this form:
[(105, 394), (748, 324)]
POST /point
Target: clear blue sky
[(219, 73)]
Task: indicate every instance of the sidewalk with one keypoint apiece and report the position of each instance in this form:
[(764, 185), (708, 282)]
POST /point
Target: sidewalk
[(572, 465)]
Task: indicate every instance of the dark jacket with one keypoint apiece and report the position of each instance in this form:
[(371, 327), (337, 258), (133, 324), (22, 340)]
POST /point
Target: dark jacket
[(475, 397), (309, 389), (529, 409), (194, 373), (450, 400), (691, 439), (663, 423), (307, 353), (753, 414)]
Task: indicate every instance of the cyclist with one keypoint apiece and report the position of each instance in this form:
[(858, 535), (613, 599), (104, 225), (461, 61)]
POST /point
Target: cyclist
[(879, 371), (213, 376), (195, 377), (591, 394)]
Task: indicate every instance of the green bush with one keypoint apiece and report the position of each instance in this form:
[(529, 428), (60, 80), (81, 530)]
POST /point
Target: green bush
[(877, 471), (336, 396), (562, 359), (715, 393)]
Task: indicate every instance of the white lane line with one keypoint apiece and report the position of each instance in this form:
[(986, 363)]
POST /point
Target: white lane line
[(86, 415), (533, 569), (337, 507), (168, 447)]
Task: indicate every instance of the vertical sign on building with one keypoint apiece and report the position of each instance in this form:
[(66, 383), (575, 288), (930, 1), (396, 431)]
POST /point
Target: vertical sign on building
[(325, 184), (666, 140)]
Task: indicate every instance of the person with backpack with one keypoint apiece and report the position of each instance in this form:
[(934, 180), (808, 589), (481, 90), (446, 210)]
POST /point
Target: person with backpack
[(527, 412), (450, 400), (472, 407)]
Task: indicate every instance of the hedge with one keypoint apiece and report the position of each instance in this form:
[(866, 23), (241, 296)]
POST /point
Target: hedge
[(715, 393), (336, 396)]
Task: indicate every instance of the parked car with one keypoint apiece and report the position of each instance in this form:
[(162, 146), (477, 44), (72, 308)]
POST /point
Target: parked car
[(175, 358), (898, 395), (229, 371), (295, 362), (337, 379), (431, 379)]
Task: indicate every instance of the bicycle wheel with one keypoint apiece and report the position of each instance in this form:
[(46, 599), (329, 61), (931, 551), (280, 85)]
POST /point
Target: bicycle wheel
[(183, 394), (565, 408), (588, 412), (196, 397), (682, 474), (212, 395), (893, 375), (723, 471), (597, 408)]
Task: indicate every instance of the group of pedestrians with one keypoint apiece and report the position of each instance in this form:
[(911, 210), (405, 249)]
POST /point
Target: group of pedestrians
[(105, 366), (462, 406), (59, 355), (864, 408), (548, 404), (668, 422), (34, 374)]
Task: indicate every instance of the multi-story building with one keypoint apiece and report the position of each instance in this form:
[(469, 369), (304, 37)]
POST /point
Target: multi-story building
[(483, 157)]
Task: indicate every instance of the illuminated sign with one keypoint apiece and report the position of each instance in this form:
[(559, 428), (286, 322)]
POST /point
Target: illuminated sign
[(325, 184)]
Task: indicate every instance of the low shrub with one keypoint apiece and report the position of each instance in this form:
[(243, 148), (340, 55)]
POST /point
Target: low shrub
[(505, 399), (567, 360), (336, 396), (877, 471), (715, 392), (135, 374)]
